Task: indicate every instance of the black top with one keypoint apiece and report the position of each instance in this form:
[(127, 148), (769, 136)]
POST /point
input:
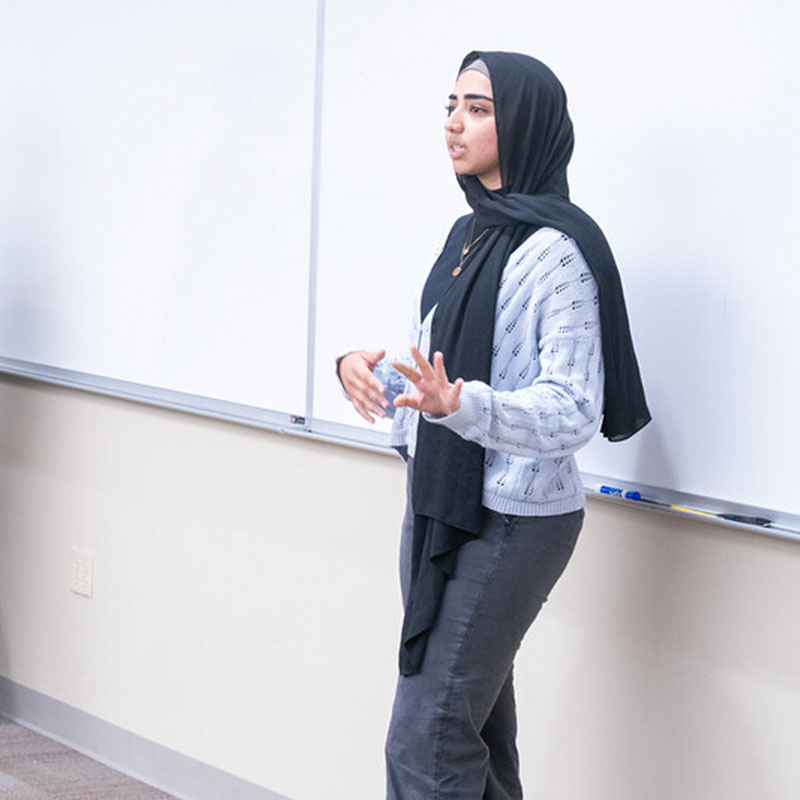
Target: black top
[(441, 275)]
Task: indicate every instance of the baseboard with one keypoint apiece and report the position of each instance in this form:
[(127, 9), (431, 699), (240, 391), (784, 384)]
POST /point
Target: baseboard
[(151, 763)]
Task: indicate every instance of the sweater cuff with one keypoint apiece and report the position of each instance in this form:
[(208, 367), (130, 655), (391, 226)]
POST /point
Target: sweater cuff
[(466, 421)]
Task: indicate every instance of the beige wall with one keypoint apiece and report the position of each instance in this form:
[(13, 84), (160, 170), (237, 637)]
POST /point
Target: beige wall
[(246, 612)]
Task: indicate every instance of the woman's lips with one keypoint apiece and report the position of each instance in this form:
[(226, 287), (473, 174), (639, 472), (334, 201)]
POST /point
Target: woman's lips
[(455, 150)]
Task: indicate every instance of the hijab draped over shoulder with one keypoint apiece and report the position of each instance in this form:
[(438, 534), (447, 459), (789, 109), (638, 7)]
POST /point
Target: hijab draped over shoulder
[(535, 142)]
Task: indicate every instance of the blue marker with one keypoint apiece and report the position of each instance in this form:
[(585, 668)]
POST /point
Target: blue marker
[(613, 491)]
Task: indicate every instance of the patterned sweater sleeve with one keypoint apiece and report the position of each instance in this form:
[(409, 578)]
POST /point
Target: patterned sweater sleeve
[(545, 398)]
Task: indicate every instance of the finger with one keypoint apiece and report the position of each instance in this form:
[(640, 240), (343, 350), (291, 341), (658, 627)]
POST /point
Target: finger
[(367, 409), (409, 372), (451, 402), (410, 400), (371, 404), (456, 394), (363, 413), (376, 409), (374, 356), (376, 391), (424, 366), (364, 382), (438, 367)]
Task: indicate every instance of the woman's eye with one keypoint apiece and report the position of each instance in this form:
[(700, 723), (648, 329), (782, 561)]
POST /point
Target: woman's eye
[(477, 109), (449, 109)]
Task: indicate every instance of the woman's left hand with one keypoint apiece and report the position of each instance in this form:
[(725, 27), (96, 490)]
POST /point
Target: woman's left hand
[(435, 394)]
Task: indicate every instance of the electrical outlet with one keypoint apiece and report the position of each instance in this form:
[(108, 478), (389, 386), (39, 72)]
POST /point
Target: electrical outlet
[(81, 574)]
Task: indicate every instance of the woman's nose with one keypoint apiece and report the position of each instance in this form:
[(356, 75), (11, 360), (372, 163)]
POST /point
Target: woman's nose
[(453, 122)]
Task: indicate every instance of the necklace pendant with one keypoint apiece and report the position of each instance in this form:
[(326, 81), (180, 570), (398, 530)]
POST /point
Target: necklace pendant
[(457, 271)]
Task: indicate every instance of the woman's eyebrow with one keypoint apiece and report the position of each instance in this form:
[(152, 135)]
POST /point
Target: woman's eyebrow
[(471, 96)]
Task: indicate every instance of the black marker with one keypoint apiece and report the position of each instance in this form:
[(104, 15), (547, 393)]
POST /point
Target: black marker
[(760, 521)]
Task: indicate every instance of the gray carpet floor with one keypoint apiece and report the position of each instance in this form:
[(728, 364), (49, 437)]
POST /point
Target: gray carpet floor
[(33, 767)]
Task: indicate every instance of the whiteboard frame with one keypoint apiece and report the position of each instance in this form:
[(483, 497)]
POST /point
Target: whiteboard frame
[(784, 526)]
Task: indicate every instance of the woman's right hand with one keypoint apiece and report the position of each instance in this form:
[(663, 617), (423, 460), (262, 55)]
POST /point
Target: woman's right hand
[(363, 388)]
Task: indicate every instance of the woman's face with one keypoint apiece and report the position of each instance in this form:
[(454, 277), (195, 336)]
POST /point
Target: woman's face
[(470, 129)]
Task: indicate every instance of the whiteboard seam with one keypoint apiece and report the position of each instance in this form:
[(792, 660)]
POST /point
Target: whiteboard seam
[(313, 253)]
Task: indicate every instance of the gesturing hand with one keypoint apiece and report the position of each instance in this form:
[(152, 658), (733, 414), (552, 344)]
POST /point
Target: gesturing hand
[(435, 394), (363, 388)]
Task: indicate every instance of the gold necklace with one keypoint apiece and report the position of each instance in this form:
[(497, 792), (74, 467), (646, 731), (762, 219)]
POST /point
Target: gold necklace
[(467, 247)]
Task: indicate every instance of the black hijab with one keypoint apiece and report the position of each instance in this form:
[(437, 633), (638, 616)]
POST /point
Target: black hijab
[(534, 141)]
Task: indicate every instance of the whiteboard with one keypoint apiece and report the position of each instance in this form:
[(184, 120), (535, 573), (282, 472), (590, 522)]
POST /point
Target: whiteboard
[(155, 192), (687, 138), (203, 204)]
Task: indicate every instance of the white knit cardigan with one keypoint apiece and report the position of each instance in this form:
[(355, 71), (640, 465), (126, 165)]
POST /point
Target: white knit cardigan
[(545, 397)]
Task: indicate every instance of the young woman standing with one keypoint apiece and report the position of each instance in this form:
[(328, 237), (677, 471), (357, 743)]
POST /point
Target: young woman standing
[(524, 310)]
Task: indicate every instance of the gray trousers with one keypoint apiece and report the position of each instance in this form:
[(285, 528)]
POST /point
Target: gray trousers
[(453, 730)]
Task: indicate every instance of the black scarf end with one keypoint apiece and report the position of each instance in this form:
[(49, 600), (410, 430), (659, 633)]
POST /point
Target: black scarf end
[(411, 654), (621, 432)]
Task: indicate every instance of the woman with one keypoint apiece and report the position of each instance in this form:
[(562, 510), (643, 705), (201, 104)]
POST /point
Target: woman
[(524, 308)]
